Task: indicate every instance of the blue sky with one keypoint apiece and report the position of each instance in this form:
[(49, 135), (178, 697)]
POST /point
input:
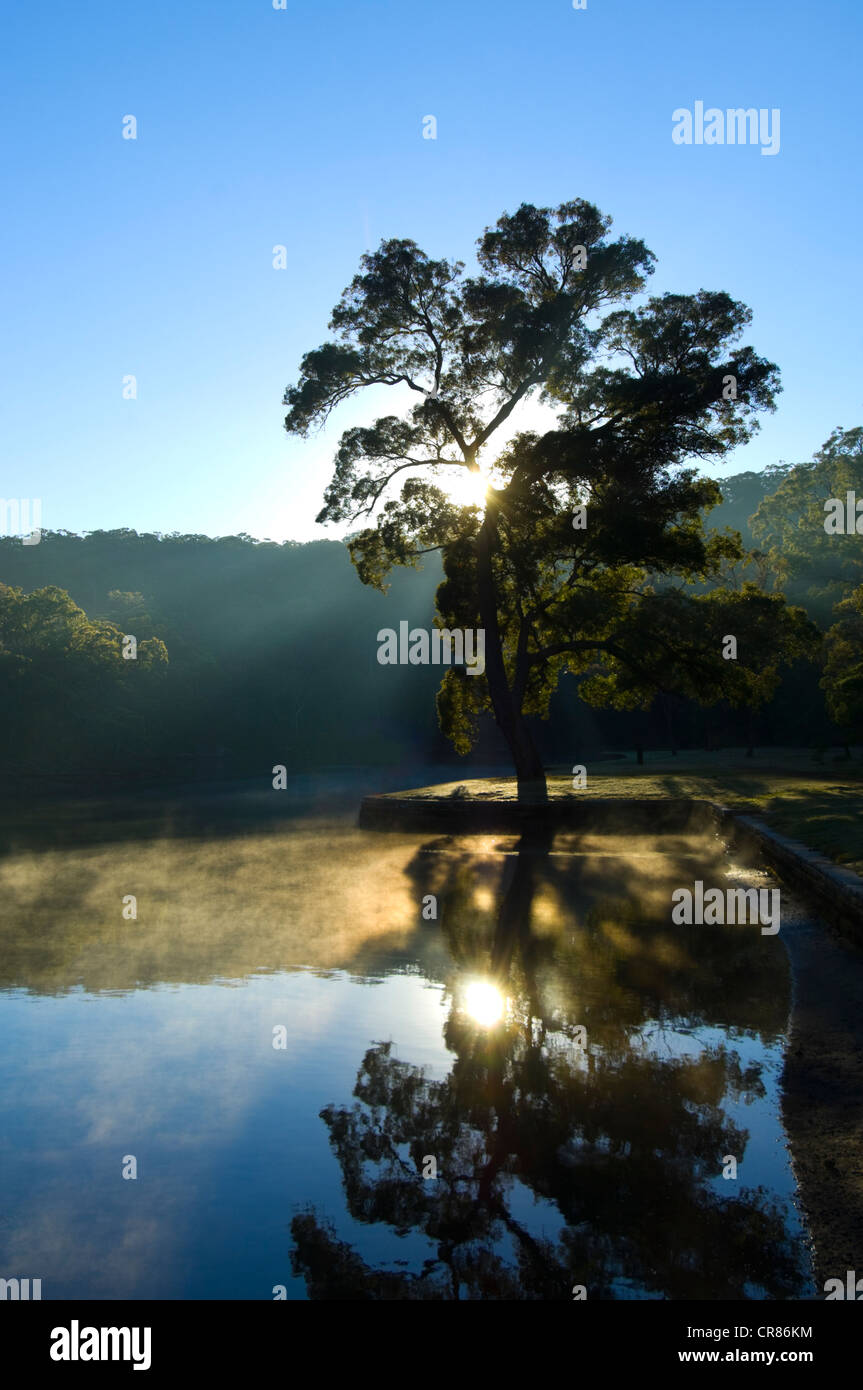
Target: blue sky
[(303, 127)]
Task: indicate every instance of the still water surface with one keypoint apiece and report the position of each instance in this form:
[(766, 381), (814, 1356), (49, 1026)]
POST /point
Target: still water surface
[(577, 1070)]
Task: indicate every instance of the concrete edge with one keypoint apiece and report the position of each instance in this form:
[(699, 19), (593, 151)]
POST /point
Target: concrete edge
[(837, 892)]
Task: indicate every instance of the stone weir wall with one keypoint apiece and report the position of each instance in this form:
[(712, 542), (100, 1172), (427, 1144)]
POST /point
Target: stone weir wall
[(836, 892)]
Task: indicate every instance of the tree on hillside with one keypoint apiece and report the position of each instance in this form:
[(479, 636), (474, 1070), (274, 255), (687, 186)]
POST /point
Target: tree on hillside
[(818, 566), (564, 566), (742, 494), (814, 549), (842, 681), (65, 687)]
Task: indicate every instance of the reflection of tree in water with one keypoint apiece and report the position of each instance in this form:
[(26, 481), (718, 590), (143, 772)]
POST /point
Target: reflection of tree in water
[(620, 1143)]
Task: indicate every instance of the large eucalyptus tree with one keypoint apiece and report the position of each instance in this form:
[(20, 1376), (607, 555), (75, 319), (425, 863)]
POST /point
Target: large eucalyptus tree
[(589, 534)]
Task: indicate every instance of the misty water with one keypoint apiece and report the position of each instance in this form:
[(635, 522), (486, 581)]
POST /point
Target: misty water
[(288, 1048)]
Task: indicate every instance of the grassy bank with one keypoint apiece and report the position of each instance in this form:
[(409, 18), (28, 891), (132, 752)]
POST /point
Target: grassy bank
[(822, 806)]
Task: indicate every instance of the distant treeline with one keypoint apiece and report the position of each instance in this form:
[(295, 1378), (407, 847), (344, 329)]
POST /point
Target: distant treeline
[(254, 653)]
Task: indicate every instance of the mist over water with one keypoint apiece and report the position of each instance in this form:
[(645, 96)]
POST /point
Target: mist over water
[(563, 1157)]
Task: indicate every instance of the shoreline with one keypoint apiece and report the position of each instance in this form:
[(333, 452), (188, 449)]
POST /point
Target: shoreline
[(822, 1092)]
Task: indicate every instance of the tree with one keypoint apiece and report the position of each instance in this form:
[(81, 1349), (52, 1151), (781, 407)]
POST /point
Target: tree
[(817, 566), (559, 566), (842, 681), (817, 557), (743, 493), (66, 687)]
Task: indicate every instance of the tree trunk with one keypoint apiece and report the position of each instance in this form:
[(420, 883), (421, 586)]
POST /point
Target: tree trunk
[(529, 771)]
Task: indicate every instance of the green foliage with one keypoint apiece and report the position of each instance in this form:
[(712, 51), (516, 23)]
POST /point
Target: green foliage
[(272, 658), (815, 568), (61, 668), (742, 494), (842, 681), (640, 393), (823, 571), (272, 652), (681, 647)]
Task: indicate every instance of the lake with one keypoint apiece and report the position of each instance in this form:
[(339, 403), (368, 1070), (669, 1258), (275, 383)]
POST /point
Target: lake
[(343, 1063)]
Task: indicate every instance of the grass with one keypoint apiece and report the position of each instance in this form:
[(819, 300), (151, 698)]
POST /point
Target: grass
[(822, 806)]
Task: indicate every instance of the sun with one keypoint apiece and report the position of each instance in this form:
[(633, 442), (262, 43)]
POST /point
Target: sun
[(466, 488)]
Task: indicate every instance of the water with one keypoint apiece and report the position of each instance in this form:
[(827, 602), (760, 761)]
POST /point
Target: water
[(404, 1046)]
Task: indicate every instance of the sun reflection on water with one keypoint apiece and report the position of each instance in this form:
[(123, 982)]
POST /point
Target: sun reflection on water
[(484, 1003)]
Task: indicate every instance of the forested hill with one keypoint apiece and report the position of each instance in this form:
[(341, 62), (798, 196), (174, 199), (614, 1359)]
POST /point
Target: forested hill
[(741, 494), (271, 653), (251, 654), (199, 582)]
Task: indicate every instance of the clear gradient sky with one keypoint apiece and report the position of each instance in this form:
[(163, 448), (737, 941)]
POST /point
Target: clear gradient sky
[(303, 127)]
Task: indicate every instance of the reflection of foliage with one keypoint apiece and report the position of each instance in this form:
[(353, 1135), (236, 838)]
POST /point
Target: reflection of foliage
[(621, 1143), (334, 1271), (582, 955), (628, 1179)]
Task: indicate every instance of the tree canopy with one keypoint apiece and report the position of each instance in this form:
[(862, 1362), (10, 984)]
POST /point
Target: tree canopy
[(566, 565), (61, 668), (818, 567)]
